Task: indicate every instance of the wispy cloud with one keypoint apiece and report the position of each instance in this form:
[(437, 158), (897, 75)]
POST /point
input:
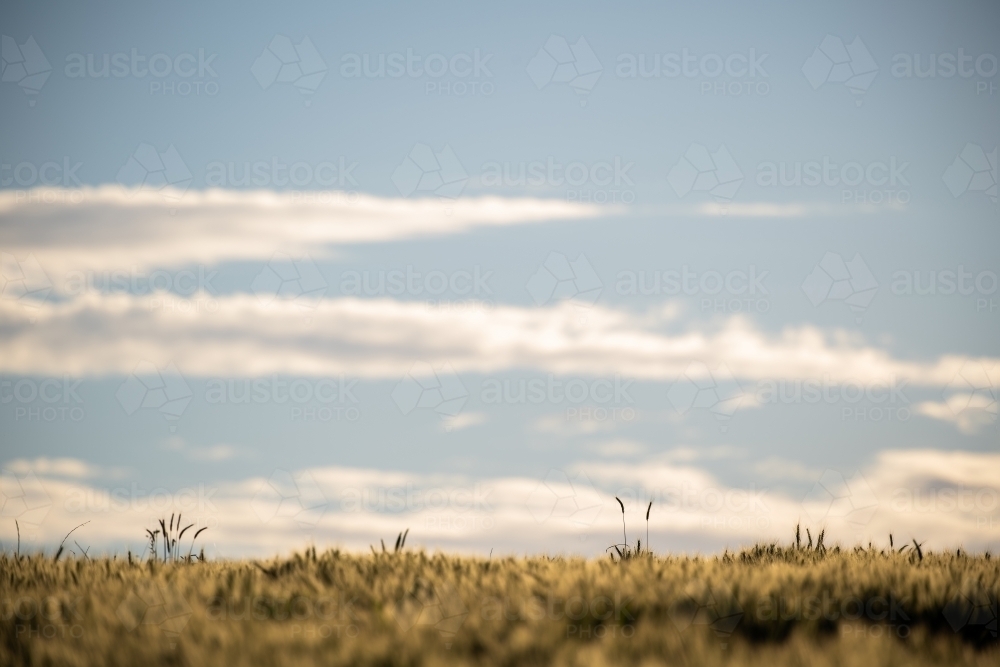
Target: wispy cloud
[(970, 419), (59, 467), (109, 227), (382, 338), (940, 498), (218, 452), (464, 420), (790, 210)]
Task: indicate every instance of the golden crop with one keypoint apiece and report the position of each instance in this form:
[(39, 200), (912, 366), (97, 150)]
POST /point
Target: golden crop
[(768, 605)]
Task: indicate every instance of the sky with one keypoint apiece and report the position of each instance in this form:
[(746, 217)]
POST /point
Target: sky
[(318, 273)]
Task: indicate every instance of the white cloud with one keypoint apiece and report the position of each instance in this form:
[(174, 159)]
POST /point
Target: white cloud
[(381, 338), (464, 420), (218, 452), (61, 467), (110, 227), (560, 424), (214, 453), (618, 448), (938, 497), (775, 468), (805, 210), (967, 421)]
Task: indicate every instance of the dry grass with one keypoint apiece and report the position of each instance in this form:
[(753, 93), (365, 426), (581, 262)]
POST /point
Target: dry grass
[(768, 605)]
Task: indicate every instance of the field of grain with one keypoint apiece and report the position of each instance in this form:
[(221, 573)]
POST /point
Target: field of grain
[(769, 605)]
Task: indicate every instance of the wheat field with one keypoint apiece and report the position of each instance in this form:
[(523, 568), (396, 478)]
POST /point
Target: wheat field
[(768, 605)]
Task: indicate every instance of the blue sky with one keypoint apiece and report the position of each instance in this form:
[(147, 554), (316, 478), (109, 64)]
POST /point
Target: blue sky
[(510, 262)]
